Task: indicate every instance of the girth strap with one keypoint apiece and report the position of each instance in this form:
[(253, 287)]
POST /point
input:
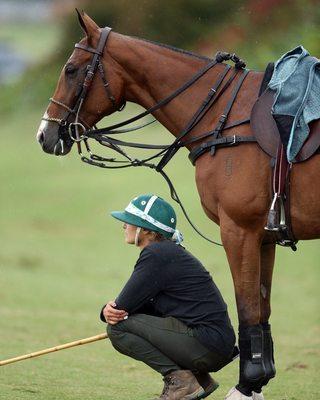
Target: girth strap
[(225, 141)]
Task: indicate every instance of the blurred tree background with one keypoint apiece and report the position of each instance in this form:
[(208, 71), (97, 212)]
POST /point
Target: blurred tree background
[(259, 31)]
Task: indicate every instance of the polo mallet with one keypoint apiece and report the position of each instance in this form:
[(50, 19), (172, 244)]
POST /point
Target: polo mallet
[(53, 349)]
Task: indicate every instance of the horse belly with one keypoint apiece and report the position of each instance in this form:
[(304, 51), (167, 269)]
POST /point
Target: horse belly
[(232, 182)]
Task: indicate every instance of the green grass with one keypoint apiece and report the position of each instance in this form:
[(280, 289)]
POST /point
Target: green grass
[(62, 257)]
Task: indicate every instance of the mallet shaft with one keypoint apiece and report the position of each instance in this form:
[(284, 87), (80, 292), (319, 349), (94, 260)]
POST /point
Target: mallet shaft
[(56, 348)]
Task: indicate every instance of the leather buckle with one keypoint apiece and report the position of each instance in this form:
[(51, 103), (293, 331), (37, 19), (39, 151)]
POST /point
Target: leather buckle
[(222, 119), (234, 142)]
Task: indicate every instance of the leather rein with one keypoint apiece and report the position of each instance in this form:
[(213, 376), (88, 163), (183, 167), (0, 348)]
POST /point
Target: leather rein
[(79, 131)]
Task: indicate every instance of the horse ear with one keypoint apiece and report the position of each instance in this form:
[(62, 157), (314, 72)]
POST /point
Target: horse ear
[(81, 22), (87, 24)]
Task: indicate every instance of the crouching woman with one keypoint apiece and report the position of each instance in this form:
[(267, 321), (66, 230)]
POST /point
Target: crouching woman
[(170, 314)]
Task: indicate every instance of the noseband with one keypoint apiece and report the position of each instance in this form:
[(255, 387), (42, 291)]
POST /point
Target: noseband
[(95, 65)]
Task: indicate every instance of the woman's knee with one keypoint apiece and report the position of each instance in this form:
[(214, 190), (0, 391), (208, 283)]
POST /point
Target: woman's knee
[(116, 337), (118, 334), (112, 332)]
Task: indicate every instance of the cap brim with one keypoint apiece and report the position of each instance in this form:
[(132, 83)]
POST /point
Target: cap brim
[(120, 215), (131, 219)]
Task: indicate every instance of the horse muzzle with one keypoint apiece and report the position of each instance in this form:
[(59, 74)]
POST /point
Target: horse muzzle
[(53, 139)]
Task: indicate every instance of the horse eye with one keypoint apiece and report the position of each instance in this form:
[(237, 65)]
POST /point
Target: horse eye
[(70, 69)]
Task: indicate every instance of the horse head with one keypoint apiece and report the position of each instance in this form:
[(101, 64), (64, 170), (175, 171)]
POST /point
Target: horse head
[(89, 88)]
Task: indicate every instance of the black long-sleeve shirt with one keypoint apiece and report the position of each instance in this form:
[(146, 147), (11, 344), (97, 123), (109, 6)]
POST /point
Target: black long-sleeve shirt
[(169, 281)]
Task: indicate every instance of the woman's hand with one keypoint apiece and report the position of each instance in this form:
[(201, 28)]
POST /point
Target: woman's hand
[(112, 315)]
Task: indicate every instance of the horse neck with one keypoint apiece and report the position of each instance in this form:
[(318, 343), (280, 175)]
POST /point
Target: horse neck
[(151, 72)]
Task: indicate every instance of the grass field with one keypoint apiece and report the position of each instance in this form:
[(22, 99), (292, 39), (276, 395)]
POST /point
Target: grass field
[(62, 257)]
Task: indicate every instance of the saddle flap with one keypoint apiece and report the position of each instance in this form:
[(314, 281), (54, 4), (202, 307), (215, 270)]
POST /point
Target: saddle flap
[(263, 125), (266, 131)]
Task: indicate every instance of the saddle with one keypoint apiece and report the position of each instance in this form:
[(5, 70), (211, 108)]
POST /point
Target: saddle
[(274, 143), (267, 134)]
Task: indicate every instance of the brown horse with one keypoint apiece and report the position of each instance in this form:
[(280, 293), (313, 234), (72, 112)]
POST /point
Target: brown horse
[(234, 184)]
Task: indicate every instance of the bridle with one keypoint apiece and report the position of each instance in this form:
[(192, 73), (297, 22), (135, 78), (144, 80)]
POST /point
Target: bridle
[(91, 69), (69, 131)]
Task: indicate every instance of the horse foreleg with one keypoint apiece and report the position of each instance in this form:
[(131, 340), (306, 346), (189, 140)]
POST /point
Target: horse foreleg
[(267, 263), (243, 246)]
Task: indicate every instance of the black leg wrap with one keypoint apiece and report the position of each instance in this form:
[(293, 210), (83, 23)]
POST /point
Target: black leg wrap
[(252, 368), (268, 357)]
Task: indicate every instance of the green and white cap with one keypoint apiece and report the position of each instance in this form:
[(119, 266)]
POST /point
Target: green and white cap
[(153, 213)]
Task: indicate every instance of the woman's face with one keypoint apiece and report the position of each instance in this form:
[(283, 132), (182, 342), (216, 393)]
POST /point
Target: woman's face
[(129, 233)]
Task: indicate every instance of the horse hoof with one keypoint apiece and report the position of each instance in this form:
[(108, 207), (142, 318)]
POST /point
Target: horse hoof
[(234, 394), (257, 396)]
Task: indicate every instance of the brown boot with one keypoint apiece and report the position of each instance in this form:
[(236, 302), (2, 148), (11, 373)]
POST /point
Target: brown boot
[(208, 384), (166, 381), (181, 385)]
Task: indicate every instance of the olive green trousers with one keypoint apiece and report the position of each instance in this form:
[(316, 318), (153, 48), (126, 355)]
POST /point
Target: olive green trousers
[(164, 344)]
